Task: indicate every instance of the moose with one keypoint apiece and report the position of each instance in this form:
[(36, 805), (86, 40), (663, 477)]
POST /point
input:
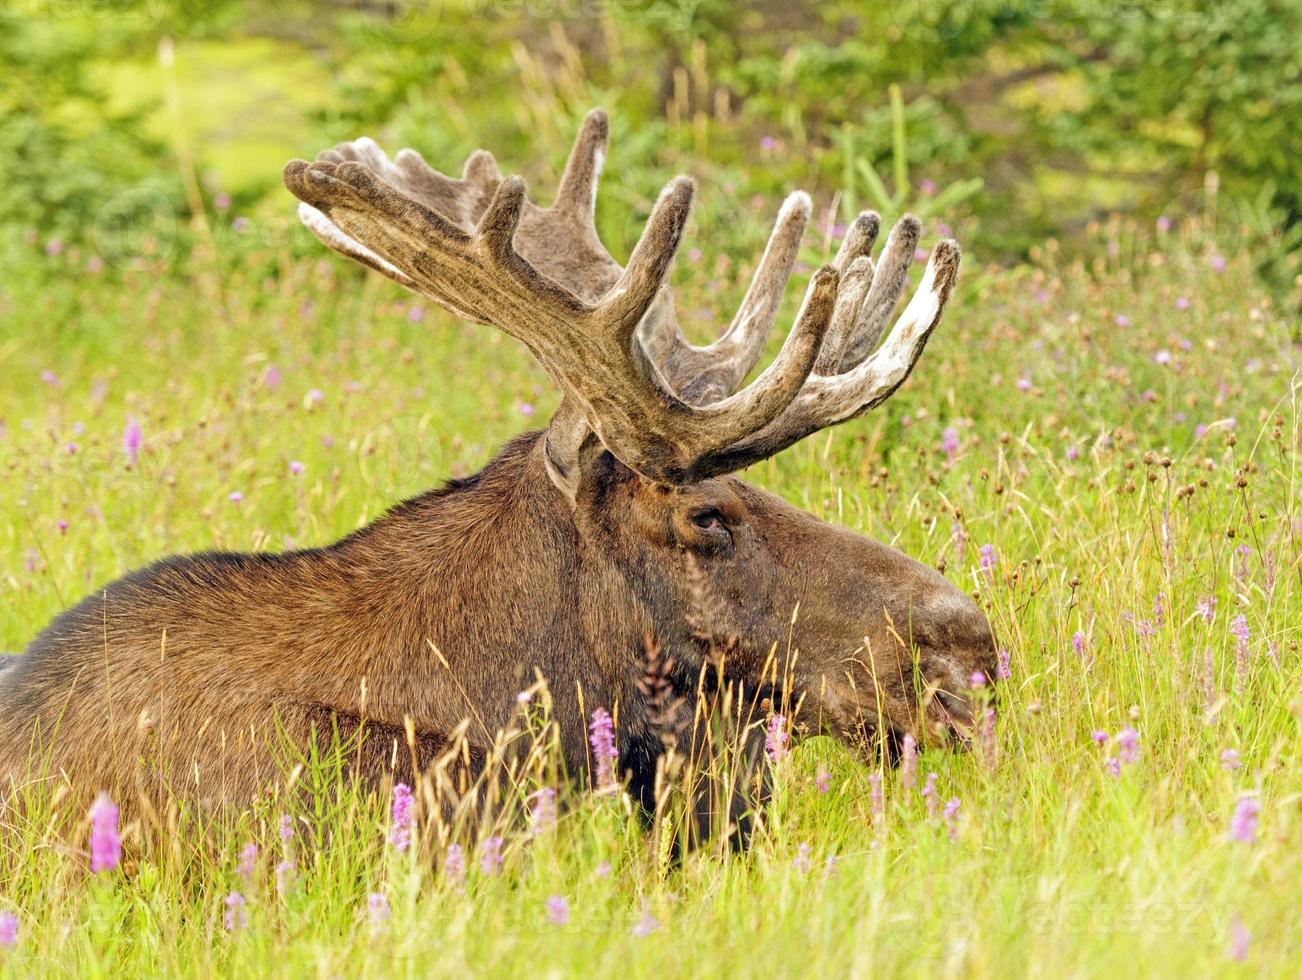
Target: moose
[(566, 552)]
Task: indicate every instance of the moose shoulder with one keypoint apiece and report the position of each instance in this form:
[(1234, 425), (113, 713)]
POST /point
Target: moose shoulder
[(558, 559)]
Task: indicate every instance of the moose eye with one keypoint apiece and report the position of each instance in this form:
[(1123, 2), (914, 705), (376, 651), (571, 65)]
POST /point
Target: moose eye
[(708, 520)]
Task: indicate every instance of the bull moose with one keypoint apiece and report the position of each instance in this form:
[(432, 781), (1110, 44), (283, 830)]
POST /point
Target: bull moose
[(559, 558)]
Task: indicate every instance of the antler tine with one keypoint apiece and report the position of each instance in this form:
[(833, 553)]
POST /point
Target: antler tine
[(705, 374), (577, 194), (888, 285), (854, 259), (826, 401)]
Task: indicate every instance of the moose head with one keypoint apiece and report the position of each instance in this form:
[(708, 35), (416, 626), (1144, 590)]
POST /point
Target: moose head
[(566, 552), (650, 427)]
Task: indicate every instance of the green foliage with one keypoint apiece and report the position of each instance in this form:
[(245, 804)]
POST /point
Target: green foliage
[(1065, 422), (67, 151)]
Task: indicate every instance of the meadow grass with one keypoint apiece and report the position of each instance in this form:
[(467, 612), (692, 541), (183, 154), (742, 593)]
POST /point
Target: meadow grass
[(1121, 436)]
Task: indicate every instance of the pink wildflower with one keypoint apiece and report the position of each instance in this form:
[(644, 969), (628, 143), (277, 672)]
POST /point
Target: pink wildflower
[(236, 918), (909, 763), (490, 855), (377, 909), (558, 910), (105, 844), (1243, 825), (131, 439), (601, 735), (775, 740), (400, 831)]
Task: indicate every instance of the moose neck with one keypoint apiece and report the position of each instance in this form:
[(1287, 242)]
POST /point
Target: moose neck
[(494, 573)]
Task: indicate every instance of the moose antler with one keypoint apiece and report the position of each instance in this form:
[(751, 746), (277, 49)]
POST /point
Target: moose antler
[(607, 335)]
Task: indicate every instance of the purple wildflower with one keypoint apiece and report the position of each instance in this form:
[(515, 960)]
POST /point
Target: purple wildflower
[(876, 802), (1230, 760), (416, 314), (775, 740), (929, 795), (1100, 737), (949, 442), (646, 925), (131, 437), (1127, 745), (988, 559), (909, 763), (1078, 643), (490, 855), (8, 929), (1217, 262), (377, 909), (801, 861), (1112, 766), (542, 809), (454, 866), (526, 409), (295, 467), (1240, 940), (558, 910), (286, 827), (1182, 302), (236, 918), (1024, 383), (50, 378), (271, 377), (829, 866), (977, 679), (248, 862), (822, 780), (105, 844), (1239, 627), (400, 832), (602, 870), (235, 496), (951, 815), (1004, 669), (1207, 609), (1122, 320), (286, 871), (1243, 825), (601, 735)]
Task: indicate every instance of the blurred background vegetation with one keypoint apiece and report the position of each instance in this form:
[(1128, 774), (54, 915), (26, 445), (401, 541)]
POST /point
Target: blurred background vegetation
[(138, 131)]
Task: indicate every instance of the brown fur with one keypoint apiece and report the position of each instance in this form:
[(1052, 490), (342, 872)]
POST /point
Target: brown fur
[(224, 656), (192, 677)]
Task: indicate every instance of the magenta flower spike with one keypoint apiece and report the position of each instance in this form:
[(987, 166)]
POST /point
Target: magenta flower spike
[(105, 844)]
